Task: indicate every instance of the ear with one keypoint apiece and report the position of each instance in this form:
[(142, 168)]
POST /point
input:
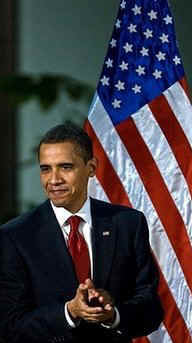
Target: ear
[(92, 166)]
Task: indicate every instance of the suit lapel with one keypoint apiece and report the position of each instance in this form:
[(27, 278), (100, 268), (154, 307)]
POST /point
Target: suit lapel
[(55, 250), (103, 242)]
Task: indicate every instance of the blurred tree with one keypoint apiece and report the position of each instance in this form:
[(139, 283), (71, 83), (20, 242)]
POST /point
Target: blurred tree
[(46, 88)]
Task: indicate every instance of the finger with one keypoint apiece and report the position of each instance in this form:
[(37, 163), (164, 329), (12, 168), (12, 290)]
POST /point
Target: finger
[(96, 317), (82, 286), (101, 299), (89, 283), (93, 295), (93, 315), (82, 292), (108, 307), (93, 310)]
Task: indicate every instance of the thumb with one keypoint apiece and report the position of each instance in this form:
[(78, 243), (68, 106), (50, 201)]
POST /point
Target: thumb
[(89, 283), (82, 292)]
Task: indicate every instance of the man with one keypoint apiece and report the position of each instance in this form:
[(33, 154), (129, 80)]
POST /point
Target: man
[(48, 295)]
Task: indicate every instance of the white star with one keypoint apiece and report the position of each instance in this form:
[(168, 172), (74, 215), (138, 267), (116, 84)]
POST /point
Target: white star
[(157, 74), (116, 103), (128, 47), (176, 60), (152, 15), (136, 89), (144, 51), (164, 38), (123, 66), (140, 70), (118, 24), (132, 28), (136, 10), (148, 33), (109, 63), (160, 56), (120, 85), (123, 4), (168, 19), (105, 81), (113, 43)]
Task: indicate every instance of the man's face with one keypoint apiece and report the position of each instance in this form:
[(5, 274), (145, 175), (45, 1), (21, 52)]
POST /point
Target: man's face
[(64, 175)]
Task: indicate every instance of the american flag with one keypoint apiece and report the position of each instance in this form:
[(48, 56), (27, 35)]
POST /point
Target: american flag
[(140, 122)]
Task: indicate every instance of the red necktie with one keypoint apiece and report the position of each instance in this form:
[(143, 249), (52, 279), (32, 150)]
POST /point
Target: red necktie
[(78, 250)]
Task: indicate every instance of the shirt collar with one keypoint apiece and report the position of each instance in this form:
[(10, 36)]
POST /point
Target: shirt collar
[(62, 214)]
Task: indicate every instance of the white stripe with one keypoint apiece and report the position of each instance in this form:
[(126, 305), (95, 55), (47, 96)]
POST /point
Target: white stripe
[(139, 198), (181, 107), (166, 162), (96, 190), (160, 336)]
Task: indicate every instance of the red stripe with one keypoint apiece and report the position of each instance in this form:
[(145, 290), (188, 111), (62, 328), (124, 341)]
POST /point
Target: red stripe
[(184, 84), (159, 194), (173, 320), (174, 135), (141, 340), (105, 172), (171, 310)]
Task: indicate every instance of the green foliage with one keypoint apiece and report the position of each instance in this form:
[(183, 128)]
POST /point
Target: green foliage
[(46, 88)]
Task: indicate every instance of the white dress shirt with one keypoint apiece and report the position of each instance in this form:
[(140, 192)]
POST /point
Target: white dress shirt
[(85, 225), (85, 228)]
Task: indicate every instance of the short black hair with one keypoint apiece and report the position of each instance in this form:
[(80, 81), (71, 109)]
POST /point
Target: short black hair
[(69, 132)]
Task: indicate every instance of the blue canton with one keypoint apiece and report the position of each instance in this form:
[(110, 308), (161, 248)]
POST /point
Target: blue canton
[(143, 59)]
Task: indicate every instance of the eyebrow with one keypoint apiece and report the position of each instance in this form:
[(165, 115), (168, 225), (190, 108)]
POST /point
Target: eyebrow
[(66, 164), (44, 165)]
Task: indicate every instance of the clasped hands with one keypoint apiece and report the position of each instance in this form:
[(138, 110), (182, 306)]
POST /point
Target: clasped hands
[(92, 305)]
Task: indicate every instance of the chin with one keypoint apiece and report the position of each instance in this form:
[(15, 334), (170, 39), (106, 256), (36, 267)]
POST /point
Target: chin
[(59, 203)]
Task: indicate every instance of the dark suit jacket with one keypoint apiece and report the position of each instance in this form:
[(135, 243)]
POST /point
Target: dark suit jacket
[(37, 276)]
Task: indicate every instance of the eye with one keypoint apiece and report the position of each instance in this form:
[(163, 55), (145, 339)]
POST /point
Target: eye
[(67, 166), (44, 168)]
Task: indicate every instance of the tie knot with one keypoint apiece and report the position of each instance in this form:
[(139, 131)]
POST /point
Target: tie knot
[(74, 222)]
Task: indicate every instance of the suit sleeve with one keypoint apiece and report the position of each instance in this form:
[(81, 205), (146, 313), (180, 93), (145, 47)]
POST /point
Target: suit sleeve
[(141, 313), (20, 319)]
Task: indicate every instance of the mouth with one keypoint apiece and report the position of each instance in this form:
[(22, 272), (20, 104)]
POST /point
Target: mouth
[(58, 192)]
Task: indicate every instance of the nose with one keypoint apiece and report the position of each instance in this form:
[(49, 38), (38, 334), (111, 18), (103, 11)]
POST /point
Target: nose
[(55, 177)]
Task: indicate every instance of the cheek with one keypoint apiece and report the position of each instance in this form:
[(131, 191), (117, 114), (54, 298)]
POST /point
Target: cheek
[(77, 183), (77, 186), (43, 181), (73, 190), (82, 185)]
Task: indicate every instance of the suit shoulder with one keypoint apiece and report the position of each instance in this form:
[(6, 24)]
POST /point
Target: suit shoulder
[(19, 223), (114, 208)]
